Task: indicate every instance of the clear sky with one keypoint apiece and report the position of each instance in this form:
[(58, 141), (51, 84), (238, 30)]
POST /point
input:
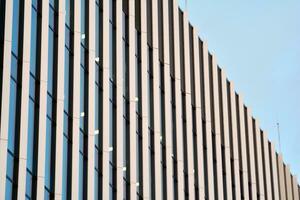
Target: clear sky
[(258, 44)]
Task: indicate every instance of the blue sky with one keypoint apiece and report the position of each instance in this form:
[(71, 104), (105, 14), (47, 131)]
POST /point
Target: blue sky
[(258, 45)]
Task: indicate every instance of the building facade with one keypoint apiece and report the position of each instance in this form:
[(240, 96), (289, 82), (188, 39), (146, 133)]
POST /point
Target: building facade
[(120, 99)]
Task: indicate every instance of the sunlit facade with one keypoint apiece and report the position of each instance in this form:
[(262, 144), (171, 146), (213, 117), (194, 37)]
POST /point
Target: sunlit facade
[(120, 99)]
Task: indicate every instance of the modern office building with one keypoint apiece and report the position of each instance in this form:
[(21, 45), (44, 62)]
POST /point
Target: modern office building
[(120, 99)]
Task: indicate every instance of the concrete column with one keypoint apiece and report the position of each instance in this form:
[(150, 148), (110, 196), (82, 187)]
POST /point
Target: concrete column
[(274, 171), (235, 143), (4, 119), (76, 102), (178, 103), (198, 116), (168, 105), (210, 173), (260, 177), (132, 96), (243, 152), (91, 100), (189, 127), (252, 169), (145, 99), (216, 104), (24, 101), (226, 135)]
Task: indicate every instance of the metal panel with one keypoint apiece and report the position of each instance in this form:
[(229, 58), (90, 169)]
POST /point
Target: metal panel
[(145, 99), (274, 171), (243, 148), (5, 95), (281, 179), (179, 146), (168, 105), (268, 192), (210, 174), (23, 131), (189, 128), (220, 194), (119, 112), (91, 100), (156, 100), (235, 143), (76, 102), (226, 136), (43, 101), (259, 178), (295, 188), (252, 169), (198, 116), (59, 101), (132, 106), (288, 183)]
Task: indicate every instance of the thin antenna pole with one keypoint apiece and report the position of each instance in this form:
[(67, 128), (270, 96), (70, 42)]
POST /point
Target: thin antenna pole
[(278, 132)]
